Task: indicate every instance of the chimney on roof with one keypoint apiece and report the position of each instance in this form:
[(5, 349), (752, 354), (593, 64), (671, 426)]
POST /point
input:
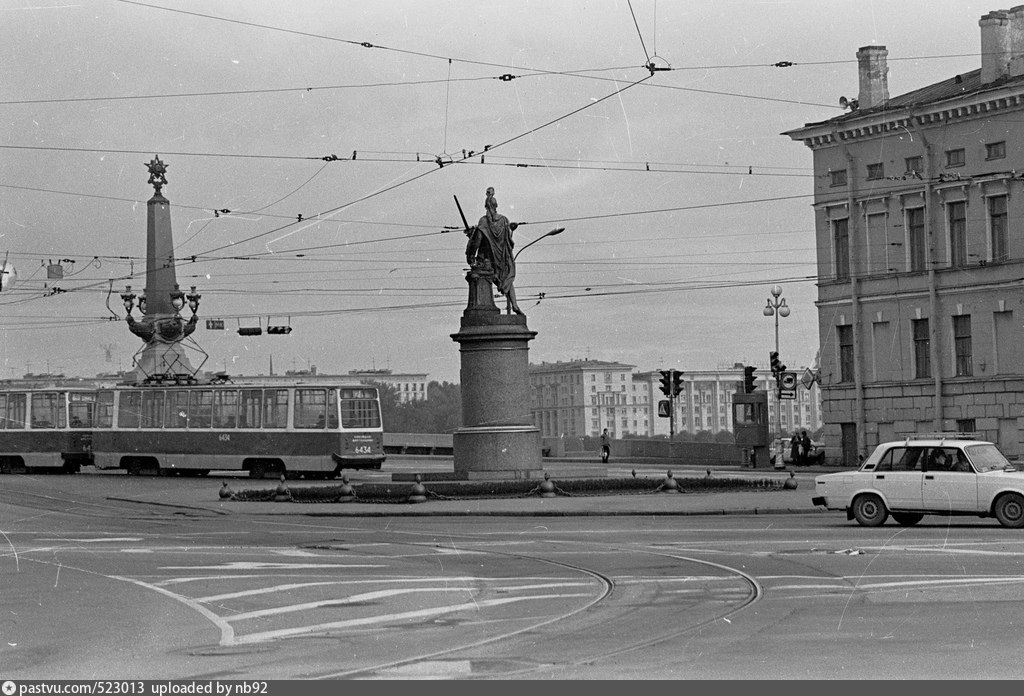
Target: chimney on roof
[(996, 45), (874, 76)]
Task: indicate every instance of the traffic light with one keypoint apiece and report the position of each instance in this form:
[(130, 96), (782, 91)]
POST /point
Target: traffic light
[(249, 331), (279, 329), (677, 382), (666, 382), (749, 384), (777, 367)]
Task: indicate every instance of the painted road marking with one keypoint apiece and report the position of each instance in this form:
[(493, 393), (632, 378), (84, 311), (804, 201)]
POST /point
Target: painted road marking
[(389, 618)]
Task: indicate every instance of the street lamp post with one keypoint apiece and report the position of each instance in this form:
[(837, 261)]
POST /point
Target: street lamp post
[(552, 233), (777, 307)]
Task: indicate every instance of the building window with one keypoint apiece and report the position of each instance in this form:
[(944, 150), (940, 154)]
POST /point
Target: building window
[(998, 228), (913, 165), (841, 237), (995, 150), (962, 345), (876, 171), (915, 238), (955, 158), (837, 178), (845, 337), (966, 425), (957, 213), (922, 347)]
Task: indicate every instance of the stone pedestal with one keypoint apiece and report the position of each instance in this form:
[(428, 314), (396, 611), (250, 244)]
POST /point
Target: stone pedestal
[(497, 439)]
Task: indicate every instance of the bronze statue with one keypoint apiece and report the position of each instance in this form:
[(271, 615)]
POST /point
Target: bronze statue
[(489, 251)]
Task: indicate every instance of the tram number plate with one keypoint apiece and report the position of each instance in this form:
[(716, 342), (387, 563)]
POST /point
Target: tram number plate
[(363, 449), (224, 437)]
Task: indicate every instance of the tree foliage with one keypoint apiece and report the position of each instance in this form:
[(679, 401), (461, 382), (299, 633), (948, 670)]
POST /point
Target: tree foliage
[(440, 412)]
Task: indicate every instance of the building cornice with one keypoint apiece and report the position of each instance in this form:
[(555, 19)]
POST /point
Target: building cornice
[(890, 121)]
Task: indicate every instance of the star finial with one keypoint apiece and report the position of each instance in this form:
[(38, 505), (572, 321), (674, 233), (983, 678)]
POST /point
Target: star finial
[(157, 173)]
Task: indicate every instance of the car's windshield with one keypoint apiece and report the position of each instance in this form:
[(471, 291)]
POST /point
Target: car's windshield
[(987, 458)]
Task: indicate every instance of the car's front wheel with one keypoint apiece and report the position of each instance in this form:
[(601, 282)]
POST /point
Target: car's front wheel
[(907, 519), (1009, 510), (869, 510)]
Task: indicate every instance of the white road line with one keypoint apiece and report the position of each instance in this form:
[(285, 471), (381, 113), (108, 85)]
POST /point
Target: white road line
[(386, 618), (302, 585), (264, 565), (341, 601), (227, 633)]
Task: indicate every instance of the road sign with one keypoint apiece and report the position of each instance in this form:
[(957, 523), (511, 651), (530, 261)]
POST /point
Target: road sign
[(787, 381), (810, 377), (664, 409)]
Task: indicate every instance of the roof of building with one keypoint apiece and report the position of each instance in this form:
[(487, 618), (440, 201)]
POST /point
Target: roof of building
[(964, 84), (578, 366)]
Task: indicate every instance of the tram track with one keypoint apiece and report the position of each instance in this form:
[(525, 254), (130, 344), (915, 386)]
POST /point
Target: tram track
[(754, 594)]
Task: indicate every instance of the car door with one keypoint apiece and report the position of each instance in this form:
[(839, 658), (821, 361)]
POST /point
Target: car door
[(952, 489), (898, 477)]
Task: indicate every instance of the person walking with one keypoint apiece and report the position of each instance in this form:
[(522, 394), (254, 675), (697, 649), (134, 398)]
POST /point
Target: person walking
[(794, 449), (805, 448), (606, 446)]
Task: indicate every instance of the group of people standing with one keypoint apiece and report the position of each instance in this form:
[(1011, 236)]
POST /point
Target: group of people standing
[(800, 448)]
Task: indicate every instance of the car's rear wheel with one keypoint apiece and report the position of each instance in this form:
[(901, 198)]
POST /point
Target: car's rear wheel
[(869, 510), (1009, 510), (907, 519)]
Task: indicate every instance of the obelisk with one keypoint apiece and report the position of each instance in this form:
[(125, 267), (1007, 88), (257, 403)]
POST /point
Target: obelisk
[(161, 326)]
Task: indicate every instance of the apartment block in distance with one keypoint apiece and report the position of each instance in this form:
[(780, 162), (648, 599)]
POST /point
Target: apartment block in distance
[(919, 212), (583, 397)]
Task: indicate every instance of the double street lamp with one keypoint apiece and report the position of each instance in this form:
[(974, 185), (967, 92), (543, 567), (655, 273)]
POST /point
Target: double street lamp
[(777, 307)]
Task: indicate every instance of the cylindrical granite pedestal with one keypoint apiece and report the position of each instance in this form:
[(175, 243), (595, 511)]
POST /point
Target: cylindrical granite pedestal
[(497, 439)]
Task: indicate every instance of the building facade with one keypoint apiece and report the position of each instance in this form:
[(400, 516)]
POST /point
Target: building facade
[(918, 202), (410, 386), (583, 397)]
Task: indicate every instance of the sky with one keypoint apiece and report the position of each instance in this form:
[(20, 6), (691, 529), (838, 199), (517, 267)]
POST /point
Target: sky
[(682, 202)]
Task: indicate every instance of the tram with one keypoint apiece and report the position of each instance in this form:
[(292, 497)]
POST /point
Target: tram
[(311, 431)]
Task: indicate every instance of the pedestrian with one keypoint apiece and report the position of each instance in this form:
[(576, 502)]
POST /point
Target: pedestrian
[(805, 448), (606, 448), (794, 449)]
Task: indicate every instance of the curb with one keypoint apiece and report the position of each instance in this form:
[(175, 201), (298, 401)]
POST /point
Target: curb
[(420, 512)]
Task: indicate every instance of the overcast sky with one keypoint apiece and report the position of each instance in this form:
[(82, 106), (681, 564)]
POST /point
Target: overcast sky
[(682, 202)]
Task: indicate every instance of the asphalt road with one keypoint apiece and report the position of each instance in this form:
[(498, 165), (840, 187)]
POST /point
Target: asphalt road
[(95, 586)]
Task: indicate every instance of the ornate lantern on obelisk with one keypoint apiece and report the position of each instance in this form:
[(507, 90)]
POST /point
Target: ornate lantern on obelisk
[(162, 358)]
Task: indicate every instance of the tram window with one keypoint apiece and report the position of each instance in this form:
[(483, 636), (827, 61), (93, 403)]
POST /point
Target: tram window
[(225, 408), (249, 408), (310, 408), (200, 408), (47, 411), (12, 411), (129, 409), (103, 416), (17, 410), (153, 408), (332, 409), (359, 409), (80, 414), (176, 415), (275, 408)]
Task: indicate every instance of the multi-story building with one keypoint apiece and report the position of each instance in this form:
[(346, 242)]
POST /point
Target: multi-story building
[(918, 202), (410, 386), (583, 397)]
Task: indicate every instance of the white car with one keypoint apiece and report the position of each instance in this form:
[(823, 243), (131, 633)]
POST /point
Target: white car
[(937, 476)]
